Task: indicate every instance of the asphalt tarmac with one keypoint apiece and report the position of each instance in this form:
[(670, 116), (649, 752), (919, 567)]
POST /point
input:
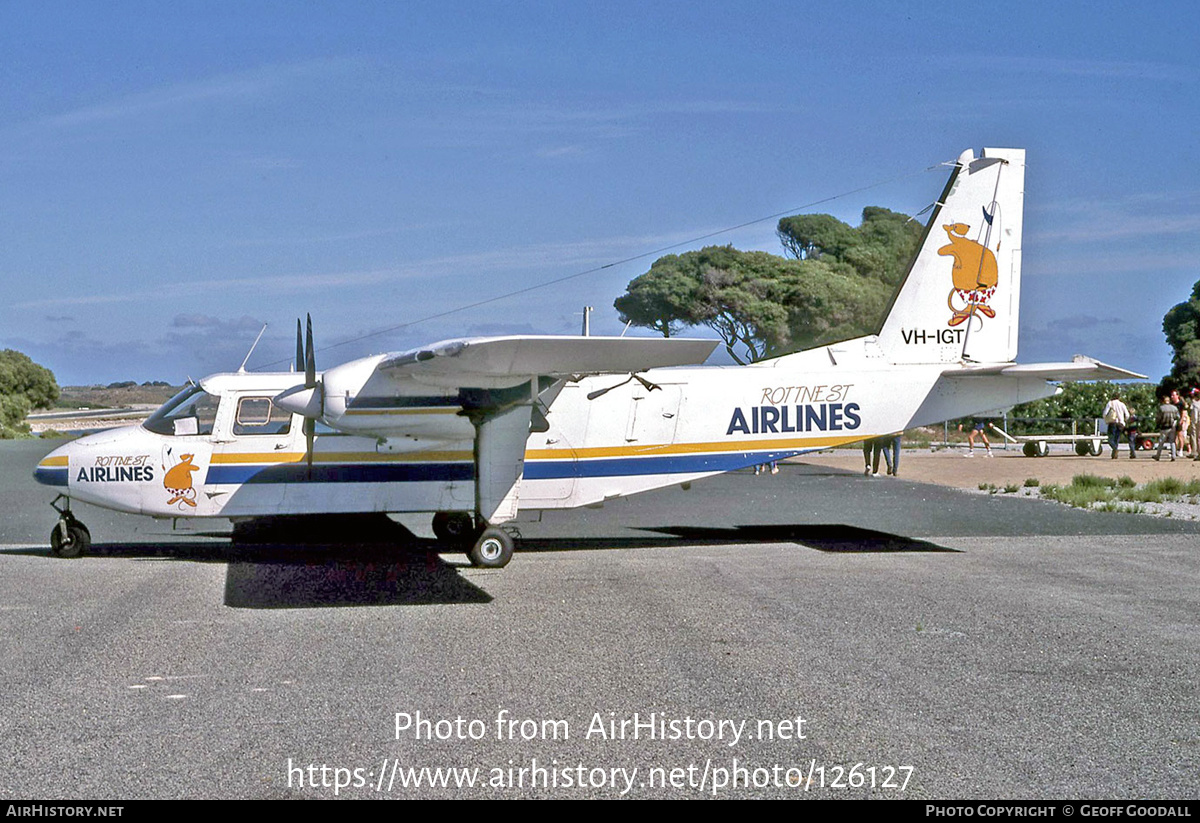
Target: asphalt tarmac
[(814, 633)]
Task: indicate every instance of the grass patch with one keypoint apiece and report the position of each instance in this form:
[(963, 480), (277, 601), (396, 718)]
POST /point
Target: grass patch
[(1011, 488), (1088, 491), (1032, 482), (1140, 494), (1167, 485), (1091, 481), (1079, 496), (1121, 508)]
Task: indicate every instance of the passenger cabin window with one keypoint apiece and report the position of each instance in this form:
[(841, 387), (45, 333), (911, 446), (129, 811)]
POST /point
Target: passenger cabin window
[(258, 415)]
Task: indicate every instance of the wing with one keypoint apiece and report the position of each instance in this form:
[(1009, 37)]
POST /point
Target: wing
[(408, 391), (498, 362), (489, 391)]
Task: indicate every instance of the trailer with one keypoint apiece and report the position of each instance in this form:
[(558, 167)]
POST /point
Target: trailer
[(1086, 445)]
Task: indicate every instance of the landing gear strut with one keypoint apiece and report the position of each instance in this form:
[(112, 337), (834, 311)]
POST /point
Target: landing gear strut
[(69, 538)]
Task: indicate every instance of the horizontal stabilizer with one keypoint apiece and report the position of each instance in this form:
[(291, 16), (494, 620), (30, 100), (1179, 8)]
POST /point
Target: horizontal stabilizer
[(1080, 368), (551, 356)]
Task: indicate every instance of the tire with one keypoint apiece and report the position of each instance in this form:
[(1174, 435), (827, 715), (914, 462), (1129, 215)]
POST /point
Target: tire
[(76, 543), (1029, 449), (454, 528), (492, 550), (1043, 448), (1095, 448), (1082, 448)]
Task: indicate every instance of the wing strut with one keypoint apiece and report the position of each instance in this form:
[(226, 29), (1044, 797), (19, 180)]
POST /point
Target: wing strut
[(500, 438)]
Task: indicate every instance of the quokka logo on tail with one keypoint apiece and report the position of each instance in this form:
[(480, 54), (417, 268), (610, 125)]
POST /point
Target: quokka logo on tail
[(974, 275)]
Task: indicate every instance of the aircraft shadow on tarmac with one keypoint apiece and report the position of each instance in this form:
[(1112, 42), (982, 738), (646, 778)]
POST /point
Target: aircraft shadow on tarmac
[(836, 538), (314, 575), (406, 570)]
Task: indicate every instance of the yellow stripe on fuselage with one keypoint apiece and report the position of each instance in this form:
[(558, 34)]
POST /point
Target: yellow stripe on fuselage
[(54, 462), (663, 449), (237, 458), (654, 450)]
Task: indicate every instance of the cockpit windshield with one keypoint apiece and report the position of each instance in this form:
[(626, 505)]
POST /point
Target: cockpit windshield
[(192, 411)]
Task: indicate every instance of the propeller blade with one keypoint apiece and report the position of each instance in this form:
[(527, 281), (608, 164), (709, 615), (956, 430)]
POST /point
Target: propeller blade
[(310, 431), (296, 364), (310, 361)]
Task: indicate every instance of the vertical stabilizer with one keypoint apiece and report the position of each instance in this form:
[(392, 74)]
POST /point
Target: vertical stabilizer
[(960, 298)]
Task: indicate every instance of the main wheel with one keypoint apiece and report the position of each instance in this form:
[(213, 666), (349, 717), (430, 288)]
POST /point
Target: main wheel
[(76, 542), (492, 550), (1081, 448), (1029, 449), (454, 528), (1095, 448)]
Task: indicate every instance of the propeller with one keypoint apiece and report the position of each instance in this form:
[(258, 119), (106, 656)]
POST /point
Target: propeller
[(310, 382), (299, 347), (308, 399)]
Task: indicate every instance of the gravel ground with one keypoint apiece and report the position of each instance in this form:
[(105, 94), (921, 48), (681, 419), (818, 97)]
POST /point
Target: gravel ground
[(951, 467)]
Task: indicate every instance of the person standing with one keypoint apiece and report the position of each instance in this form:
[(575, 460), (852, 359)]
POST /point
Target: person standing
[(1182, 443), (977, 429), (891, 454), (872, 449), (1193, 434), (1116, 415), (1168, 424)]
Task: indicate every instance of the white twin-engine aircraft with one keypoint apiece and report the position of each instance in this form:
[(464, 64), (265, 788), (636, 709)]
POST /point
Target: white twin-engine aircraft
[(472, 431)]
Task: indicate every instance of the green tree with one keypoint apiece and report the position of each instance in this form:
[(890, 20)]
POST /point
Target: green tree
[(664, 299), (835, 287), (1181, 325), (1083, 401), (760, 304), (24, 385), (880, 247)]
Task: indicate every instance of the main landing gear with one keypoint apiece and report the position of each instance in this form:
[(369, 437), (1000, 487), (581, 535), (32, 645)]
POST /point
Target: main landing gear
[(69, 538), (487, 547)]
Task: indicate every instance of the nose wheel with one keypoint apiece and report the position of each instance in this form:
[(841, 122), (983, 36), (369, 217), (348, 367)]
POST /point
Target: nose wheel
[(69, 538)]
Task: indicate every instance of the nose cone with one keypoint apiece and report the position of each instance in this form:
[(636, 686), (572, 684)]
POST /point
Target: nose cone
[(52, 470)]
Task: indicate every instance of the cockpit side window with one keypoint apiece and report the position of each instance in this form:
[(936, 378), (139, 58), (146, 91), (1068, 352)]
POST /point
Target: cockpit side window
[(191, 412), (258, 415)]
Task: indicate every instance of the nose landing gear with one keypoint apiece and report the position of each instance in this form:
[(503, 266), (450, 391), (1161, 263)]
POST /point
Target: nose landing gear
[(69, 538)]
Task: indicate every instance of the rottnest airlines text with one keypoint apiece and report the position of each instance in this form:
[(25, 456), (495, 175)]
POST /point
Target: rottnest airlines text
[(800, 418), (115, 474)]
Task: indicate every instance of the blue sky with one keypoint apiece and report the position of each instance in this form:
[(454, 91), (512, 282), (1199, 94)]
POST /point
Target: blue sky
[(172, 176)]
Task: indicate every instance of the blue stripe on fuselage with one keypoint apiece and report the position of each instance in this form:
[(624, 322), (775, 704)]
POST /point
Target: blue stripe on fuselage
[(341, 473), (534, 469), (670, 464)]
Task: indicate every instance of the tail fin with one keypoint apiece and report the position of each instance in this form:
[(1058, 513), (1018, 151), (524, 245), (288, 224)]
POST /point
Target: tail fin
[(960, 298)]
